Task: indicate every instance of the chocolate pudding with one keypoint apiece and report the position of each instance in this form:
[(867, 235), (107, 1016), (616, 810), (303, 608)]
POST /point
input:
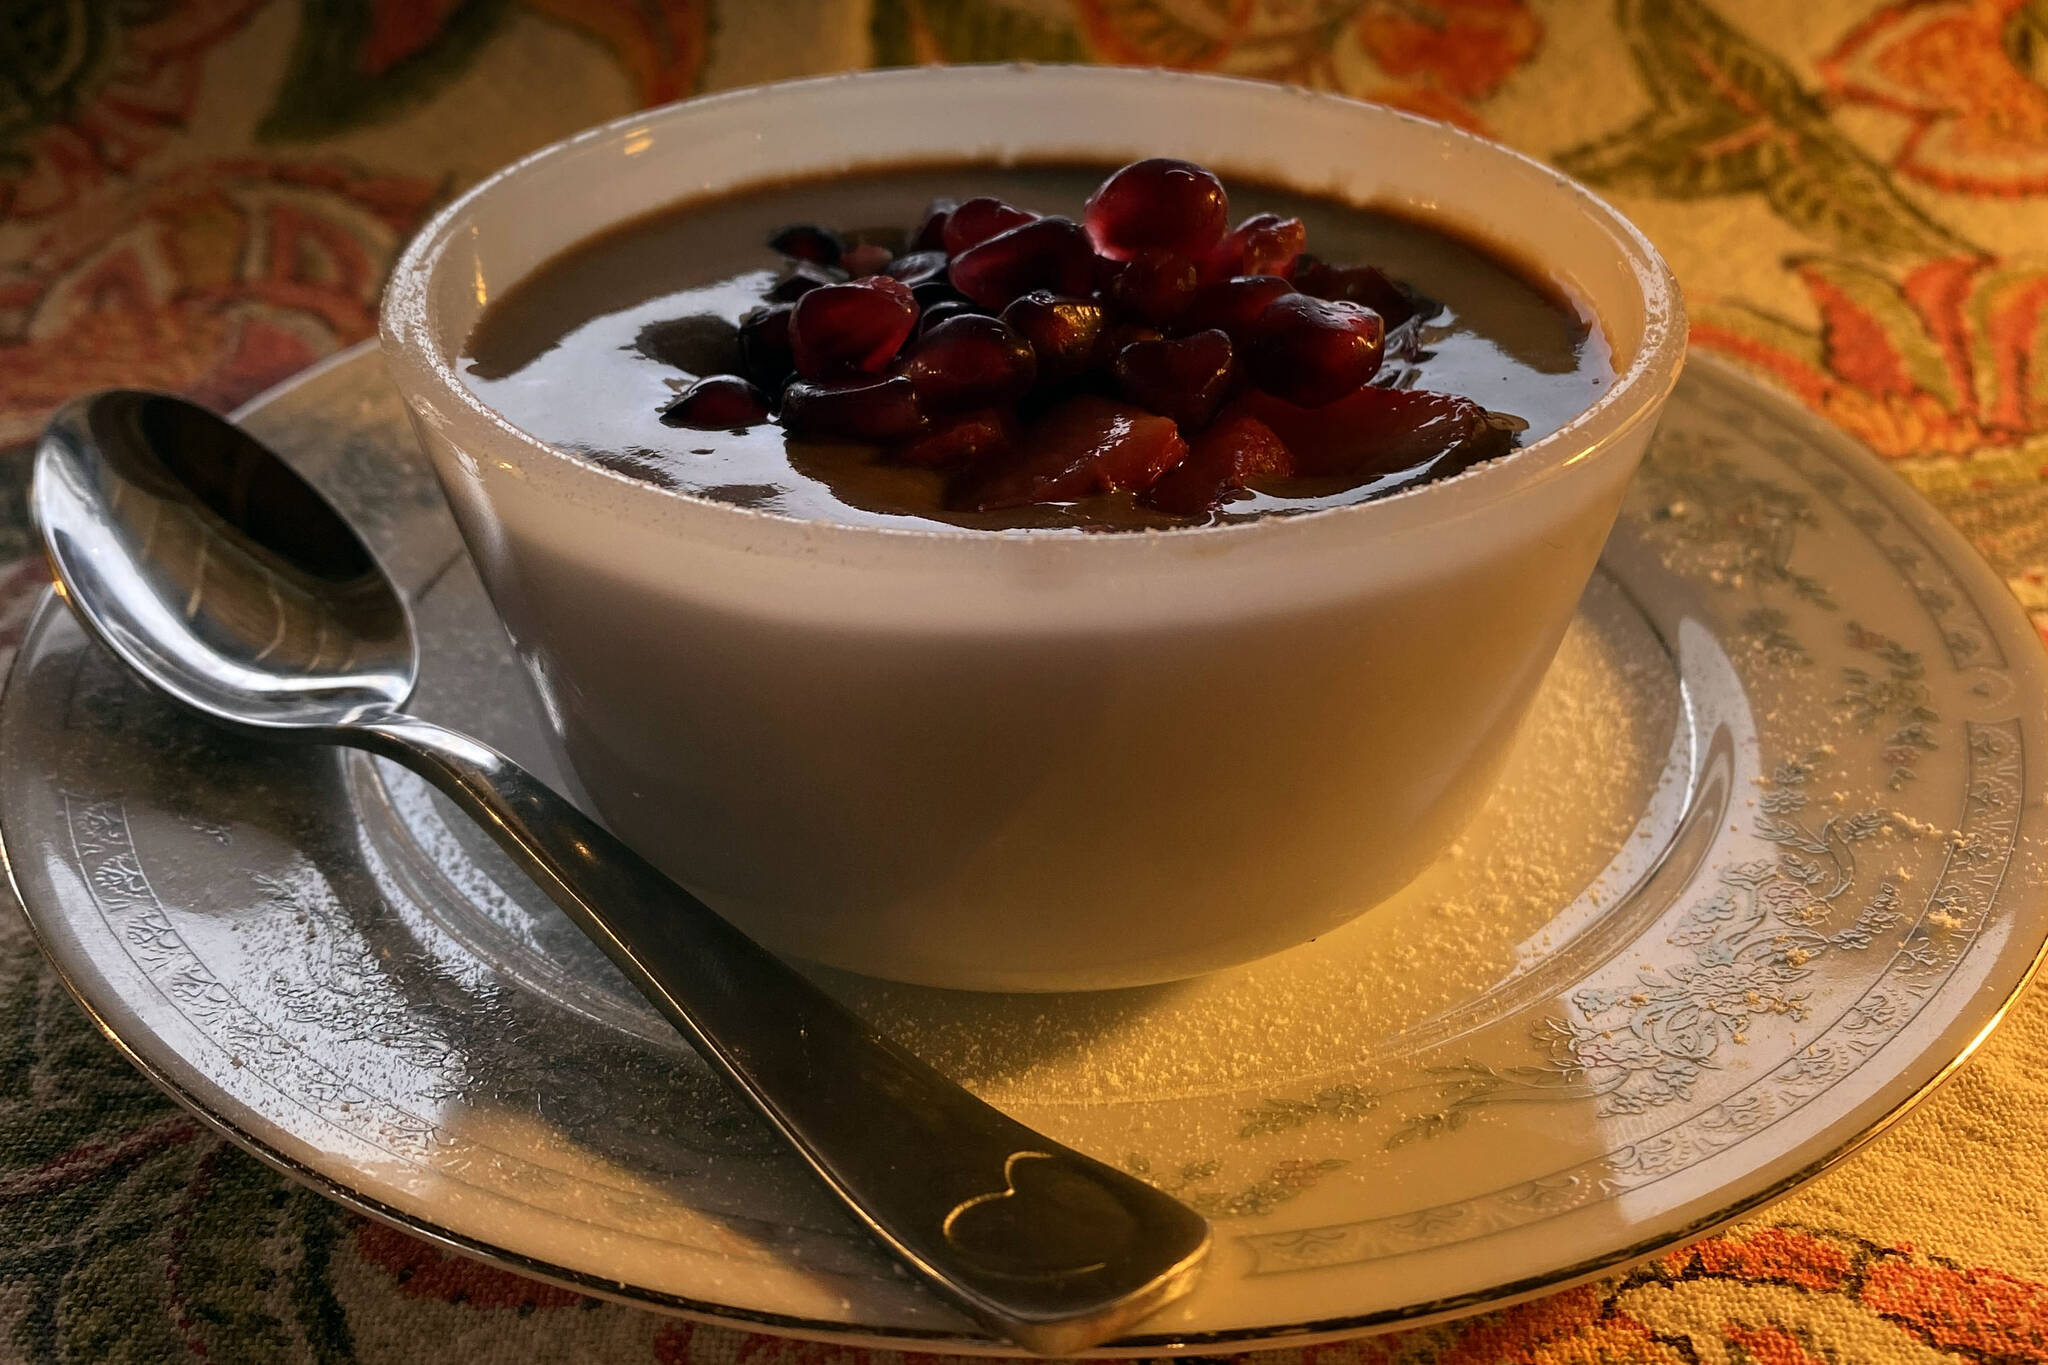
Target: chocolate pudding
[(591, 350)]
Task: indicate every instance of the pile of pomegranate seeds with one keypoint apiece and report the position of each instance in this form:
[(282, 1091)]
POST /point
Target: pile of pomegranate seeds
[(1149, 349)]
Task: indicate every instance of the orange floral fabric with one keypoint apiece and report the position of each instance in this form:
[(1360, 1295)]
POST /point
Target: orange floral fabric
[(1979, 117), (1434, 57), (125, 86), (217, 280), (203, 195)]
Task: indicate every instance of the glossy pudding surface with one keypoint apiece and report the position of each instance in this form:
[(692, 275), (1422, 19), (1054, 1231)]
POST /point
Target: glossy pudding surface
[(592, 348)]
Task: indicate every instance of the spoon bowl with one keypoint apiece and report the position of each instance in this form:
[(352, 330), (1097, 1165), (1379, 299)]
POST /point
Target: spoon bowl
[(227, 581), (210, 567)]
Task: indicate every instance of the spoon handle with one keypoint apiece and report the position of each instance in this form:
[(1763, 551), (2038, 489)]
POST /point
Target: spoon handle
[(1053, 1249)]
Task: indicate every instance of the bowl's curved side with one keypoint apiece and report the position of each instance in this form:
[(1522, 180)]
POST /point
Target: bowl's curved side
[(969, 759)]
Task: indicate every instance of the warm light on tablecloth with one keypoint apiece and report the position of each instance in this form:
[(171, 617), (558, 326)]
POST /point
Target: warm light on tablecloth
[(203, 196)]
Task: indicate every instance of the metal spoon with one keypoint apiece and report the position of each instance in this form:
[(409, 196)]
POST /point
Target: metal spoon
[(219, 575)]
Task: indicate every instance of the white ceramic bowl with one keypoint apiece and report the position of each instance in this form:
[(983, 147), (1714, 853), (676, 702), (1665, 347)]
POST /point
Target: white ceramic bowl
[(1030, 760)]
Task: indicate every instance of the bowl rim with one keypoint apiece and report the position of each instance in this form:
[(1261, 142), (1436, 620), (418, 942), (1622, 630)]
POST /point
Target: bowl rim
[(406, 327)]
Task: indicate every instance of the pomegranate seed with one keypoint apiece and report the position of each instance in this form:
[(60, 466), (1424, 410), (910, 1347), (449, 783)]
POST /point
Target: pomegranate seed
[(862, 410), (1263, 244), (969, 362), (931, 232), (809, 242), (869, 258), (944, 309), (1361, 284), (1375, 432), (1084, 446), (855, 326), (1396, 302), (1118, 335), (1106, 272), (765, 356), (919, 267), (1063, 332), (934, 292), (1153, 286), (1314, 351), (961, 439), (1185, 379), (1045, 253), (977, 220), (720, 402), (1158, 204), (1228, 456), (1308, 268), (800, 279), (925, 273), (1234, 305)]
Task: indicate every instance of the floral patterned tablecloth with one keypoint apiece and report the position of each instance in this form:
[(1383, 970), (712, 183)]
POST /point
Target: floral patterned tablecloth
[(203, 195)]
